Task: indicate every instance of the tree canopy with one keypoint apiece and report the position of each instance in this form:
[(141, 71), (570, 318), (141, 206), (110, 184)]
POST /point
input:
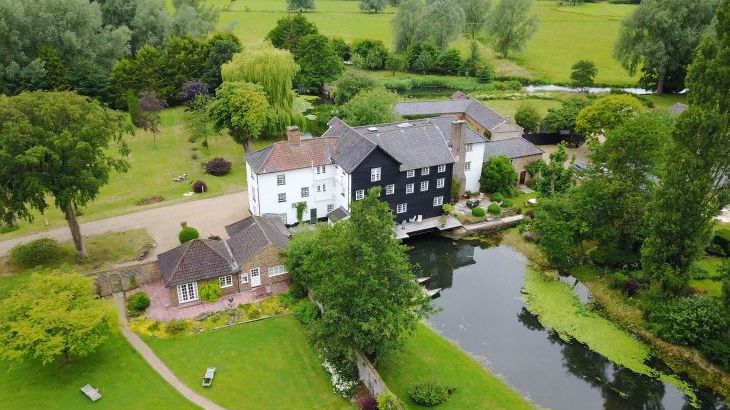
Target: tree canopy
[(607, 113), (318, 61), (351, 83), (290, 30), (300, 5), (528, 118), (582, 73), (660, 36), (372, 6), (498, 175), (53, 315), (242, 109), (441, 22), (362, 276), (511, 25), (274, 70), (563, 118), (68, 160), (374, 106), (476, 13)]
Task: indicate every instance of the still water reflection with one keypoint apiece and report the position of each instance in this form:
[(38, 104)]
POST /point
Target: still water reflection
[(482, 311)]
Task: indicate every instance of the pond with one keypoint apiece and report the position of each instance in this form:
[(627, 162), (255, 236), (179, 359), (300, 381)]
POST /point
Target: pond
[(482, 311)]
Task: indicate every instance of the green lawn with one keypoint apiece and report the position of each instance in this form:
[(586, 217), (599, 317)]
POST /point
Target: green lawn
[(152, 168), (429, 356), (262, 365)]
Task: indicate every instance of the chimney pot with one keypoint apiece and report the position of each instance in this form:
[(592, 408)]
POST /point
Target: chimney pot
[(294, 135)]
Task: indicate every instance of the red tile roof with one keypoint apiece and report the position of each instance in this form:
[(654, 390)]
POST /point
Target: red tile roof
[(283, 156)]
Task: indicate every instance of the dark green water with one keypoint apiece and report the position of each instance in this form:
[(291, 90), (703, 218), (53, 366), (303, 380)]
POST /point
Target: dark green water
[(481, 310)]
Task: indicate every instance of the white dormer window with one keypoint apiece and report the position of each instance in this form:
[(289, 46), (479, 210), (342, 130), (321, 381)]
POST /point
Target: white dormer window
[(467, 147), (359, 194), (409, 188), (441, 182), (424, 186), (374, 174), (411, 173), (281, 179), (442, 168), (425, 171), (390, 189)]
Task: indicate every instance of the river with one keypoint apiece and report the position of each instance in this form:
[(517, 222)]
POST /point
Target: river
[(482, 311)]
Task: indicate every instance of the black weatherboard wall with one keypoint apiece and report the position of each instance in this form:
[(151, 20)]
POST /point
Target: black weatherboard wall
[(419, 203)]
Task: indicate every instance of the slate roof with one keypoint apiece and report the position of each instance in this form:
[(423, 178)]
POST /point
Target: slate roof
[(338, 214), (254, 234), (414, 144), (459, 103), (443, 123), (283, 156), (512, 148), (196, 260), (351, 147)]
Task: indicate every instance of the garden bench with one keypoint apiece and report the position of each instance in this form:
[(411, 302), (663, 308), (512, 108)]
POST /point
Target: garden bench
[(208, 378), (91, 392)]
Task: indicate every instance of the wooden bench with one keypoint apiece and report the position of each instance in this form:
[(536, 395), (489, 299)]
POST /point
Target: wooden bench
[(209, 376), (91, 392)]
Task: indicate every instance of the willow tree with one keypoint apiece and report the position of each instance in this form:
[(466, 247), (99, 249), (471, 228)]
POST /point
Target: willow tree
[(274, 71)]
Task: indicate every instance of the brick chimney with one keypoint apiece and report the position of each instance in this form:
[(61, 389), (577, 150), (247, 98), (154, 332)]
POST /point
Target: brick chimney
[(294, 135), (458, 150)]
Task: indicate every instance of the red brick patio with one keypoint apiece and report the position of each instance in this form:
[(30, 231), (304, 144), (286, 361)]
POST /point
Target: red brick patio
[(161, 309)]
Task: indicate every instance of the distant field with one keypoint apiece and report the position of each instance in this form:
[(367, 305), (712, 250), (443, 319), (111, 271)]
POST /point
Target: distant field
[(566, 34)]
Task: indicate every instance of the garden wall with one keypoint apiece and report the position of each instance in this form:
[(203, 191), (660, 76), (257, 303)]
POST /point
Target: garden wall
[(554, 138), (126, 278), (369, 376)]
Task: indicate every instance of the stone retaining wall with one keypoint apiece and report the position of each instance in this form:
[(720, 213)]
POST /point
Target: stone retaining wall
[(129, 276)]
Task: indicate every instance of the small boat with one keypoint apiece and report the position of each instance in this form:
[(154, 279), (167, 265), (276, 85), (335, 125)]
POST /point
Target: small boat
[(423, 280), (432, 293)]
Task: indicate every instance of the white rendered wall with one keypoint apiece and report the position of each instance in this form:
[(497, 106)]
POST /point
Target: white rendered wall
[(476, 157)]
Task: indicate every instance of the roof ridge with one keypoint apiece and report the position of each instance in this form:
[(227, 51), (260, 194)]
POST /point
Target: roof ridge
[(186, 245), (263, 231), (207, 243)]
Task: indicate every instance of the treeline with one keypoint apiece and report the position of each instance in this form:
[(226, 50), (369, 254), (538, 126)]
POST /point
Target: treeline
[(73, 44)]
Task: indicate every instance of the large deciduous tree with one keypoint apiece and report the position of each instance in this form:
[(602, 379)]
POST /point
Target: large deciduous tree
[(290, 30), (300, 5), (222, 47), (607, 113), (54, 315), (563, 118), (351, 83), (374, 106), (405, 23), (274, 71), (511, 25), (57, 144), (692, 188), (528, 117), (442, 21), (660, 36), (318, 61), (372, 6), (498, 175), (242, 109), (555, 177), (363, 278), (476, 13), (582, 73)]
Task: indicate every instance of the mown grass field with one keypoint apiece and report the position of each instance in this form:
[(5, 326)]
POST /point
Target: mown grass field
[(262, 365), (428, 356), (151, 172), (566, 34), (116, 369)]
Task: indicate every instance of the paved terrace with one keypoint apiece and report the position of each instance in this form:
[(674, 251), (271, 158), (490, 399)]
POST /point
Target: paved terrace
[(406, 229)]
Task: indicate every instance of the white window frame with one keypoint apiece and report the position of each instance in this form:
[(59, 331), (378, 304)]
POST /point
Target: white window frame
[(359, 194), (375, 174), (305, 192), (467, 166), (442, 168), (281, 198), (440, 183), (277, 270), (281, 179), (330, 208), (187, 292), (425, 170), (324, 187), (244, 277), (401, 208), (467, 147), (438, 201), (410, 188), (226, 281), (390, 189), (424, 186), (410, 173)]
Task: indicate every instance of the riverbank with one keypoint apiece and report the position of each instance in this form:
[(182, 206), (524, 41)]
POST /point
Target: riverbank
[(611, 332)]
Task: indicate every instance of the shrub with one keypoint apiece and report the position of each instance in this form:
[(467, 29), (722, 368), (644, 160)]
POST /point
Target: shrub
[(187, 234), (429, 394), (388, 401), (717, 351), (478, 212), (218, 167), (486, 74), (497, 197), (306, 312), (286, 299), (698, 272), (38, 252), (139, 301), (210, 291), (614, 257), (176, 326), (689, 321), (366, 402), (494, 209), (199, 187), (507, 203)]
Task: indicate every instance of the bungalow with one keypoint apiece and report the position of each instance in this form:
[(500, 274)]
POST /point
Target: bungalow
[(249, 261)]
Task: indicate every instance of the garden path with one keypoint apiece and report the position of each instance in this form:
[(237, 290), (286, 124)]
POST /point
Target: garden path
[(209, 216), (149, 356)]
